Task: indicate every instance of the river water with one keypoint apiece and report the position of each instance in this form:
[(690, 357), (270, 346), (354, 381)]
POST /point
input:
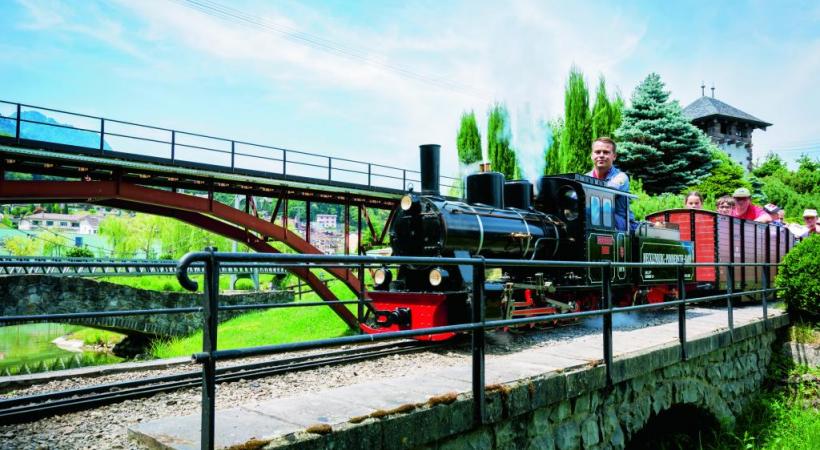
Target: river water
[(31, 344)]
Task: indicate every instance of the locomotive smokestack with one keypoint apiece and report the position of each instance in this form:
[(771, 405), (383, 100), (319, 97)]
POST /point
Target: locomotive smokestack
[(429, 168)]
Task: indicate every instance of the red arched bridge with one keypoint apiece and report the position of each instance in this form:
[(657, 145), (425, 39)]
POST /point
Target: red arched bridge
[(176, 174)]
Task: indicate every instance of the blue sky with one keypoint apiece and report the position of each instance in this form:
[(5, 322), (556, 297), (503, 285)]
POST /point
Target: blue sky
[(372, 80)]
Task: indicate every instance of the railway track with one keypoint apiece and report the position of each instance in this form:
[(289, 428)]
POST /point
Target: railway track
[(30, 408)]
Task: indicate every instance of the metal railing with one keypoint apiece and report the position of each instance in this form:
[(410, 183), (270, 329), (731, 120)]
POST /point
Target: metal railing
[(109, 137), (108, 267), (476, 327)]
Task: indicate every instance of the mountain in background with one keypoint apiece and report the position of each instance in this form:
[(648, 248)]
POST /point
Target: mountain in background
[(49, 130)]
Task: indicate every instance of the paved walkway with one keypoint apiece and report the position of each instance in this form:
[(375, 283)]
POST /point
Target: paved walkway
[(281, 416)]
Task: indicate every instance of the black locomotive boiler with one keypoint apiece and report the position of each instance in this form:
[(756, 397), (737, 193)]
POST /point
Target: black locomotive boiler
[(565, 218)]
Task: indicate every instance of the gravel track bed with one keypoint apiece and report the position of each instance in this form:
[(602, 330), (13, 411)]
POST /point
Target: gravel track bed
[(106, 427)]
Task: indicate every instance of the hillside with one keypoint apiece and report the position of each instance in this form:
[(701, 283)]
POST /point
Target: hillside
[(49, 130)]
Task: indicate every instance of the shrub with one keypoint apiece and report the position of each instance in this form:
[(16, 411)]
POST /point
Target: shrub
[(79, 252), (244, 284), (799, 277)]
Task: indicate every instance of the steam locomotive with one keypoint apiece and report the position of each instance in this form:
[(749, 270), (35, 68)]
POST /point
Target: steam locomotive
[(567, 218)]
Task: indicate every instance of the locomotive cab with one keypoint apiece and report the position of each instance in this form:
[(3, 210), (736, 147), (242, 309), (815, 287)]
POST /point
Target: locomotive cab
[(587, 206)]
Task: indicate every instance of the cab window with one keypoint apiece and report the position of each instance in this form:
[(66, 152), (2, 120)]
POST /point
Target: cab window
[(595, 210), (607, 212)]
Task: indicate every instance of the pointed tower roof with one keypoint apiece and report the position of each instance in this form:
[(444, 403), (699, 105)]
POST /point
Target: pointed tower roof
[(706, 107)]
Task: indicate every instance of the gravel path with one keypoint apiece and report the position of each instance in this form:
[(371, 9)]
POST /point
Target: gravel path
[(106, 427)]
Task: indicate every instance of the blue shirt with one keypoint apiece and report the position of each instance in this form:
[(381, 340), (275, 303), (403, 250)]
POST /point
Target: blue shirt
[(619, 180)]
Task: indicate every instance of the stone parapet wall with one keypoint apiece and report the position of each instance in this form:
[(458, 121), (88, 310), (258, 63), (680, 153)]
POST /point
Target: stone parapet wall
[(43, 294), (574, 409)]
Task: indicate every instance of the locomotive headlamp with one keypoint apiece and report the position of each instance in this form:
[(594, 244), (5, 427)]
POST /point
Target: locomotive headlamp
[(406, 202), (437, 276), (382, 277)]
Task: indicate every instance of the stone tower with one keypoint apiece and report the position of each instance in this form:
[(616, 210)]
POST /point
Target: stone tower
[(728, 127)]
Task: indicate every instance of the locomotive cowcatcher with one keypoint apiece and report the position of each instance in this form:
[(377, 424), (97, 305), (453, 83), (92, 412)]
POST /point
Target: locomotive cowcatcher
[(567, 218)]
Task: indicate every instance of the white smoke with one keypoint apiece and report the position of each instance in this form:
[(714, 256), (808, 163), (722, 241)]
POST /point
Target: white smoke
[(531, 137)]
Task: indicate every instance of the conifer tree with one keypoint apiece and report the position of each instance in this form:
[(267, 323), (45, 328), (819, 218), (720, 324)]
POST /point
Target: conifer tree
[(576, 136), (601, 112), (553, 154), (657, 144), (469, 140), (606, 113), (502, 156)]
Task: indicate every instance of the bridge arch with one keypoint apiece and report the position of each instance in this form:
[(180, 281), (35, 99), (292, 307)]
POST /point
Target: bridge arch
[(683, 425), (205, 213)]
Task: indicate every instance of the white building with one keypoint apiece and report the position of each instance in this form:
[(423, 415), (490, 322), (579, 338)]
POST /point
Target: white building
[(728, 127), (71, 223), (326, 221)]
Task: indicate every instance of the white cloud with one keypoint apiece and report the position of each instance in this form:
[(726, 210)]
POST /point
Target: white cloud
[(480, 52)]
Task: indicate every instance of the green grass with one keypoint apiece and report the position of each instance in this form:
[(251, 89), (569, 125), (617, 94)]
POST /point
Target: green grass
[(274, 326), (783, 418), (805, 333), (169, 283), (93, 336)]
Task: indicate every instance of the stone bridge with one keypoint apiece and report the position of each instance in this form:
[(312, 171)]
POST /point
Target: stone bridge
[(43, 294), (548, 397)]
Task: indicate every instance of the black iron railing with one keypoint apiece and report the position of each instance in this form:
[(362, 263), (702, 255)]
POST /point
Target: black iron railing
[(110, 137), (109, 267), (214, 260)]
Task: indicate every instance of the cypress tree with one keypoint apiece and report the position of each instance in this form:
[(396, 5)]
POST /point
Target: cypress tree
[(469, 140), (553, 153), (601, 112), (658, 144), (576, 137), (502, 156)]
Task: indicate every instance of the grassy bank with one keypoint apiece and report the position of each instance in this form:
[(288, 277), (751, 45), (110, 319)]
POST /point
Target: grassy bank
[(273, 326), (784, 415), (169, 283)]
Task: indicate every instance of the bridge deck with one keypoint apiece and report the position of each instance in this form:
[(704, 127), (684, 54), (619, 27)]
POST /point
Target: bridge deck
[(191, 176), (282, 416)]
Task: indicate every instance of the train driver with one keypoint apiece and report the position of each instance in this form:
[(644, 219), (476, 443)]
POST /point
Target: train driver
[(744, 209), (603, 157)]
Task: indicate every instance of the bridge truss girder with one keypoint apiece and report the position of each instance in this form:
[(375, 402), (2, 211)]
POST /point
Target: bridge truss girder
[(202, 212)]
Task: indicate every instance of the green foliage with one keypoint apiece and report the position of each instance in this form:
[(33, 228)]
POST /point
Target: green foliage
[(771, 165), (799, 277), (502, 156), (94, 336), (781, 418), (647, 204), (726, 176), (54, 245), (22, 246), (658, 144), (553, 153), (244, 284), (793, 191), (120, 237), (572, 135), (606, 114), (468, 141), (576, 136), (79, 252)]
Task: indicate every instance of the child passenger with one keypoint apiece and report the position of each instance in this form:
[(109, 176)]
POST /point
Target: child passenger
[(693, 200), (725, 205)]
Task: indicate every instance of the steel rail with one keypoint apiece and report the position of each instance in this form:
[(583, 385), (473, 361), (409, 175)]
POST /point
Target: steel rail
[(34, 407)]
